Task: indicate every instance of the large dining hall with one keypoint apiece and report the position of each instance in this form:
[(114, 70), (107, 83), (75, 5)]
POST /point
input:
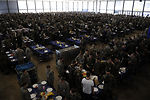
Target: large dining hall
[(74, 49)]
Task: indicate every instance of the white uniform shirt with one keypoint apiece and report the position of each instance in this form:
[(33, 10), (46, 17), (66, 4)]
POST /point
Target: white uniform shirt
[(87, 85)]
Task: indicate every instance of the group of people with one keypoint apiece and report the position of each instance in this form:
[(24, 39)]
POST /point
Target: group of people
[(104, 62), (62, 25)]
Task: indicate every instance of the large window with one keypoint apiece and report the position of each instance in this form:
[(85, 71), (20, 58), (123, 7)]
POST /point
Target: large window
[(75, 6), (70, 6), (128, 7), (39, 5), (85, 9), (3, 7), (118, 7), (13, 8), (103, 7), (59, 6), (46, 6), (147, 9), (22, 5), (79, 5), (53, 6), (90, 6), (110, 7)]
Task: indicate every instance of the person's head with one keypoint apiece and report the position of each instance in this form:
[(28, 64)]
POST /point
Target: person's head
[(107, 71), (24, 71), (88, 74)]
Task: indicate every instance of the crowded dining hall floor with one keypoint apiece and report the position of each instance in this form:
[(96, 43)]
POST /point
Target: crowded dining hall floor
[(74, 56)]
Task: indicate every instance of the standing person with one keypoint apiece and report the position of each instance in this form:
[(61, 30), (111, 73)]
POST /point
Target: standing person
[(25, 78), (20, 55), (63, 89), (88, 85), (60, 66), (28, 53), (24, 92), (108, 79), (50, 76), (74, 95)]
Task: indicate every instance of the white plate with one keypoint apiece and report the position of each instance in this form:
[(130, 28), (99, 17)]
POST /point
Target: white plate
[(59, 98), (43, 82), (95, 89), (33, 96), (35, 85), (67, 71), (83, 70), (11, 57), (45, 51), (101, 86), (29, 89), (103, 82), (49, 90), (14, 60), (66, 45), (7, 52)]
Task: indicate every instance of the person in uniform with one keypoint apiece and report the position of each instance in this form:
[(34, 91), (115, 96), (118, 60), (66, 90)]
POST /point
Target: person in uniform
[(50, 76), (24, 92), (20, 55), (108, 79), (63, 88), (25, 78)]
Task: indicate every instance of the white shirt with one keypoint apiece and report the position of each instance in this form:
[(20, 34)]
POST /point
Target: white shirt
[(87, 85)]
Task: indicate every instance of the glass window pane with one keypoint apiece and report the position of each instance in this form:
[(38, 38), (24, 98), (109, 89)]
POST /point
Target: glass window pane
[(3, 5), (98, 5), (90, 6), (79, 5), (75, 6), (65, 6), (147, 6), (46, 5), (53, 6), (103, 6), (128, 5), (59, 6), (31, 4), (70, 6), (110, 7), (118, 8), (85, 6), (138, 6), (39, 5), (12, 5), (22, 4), (94, 8)]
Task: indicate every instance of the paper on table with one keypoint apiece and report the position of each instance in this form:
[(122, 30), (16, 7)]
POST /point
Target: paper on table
[(33, 96), (95, 89), (43, 82), (49, 90), (59, 98), (29, 89), (101, 86)]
